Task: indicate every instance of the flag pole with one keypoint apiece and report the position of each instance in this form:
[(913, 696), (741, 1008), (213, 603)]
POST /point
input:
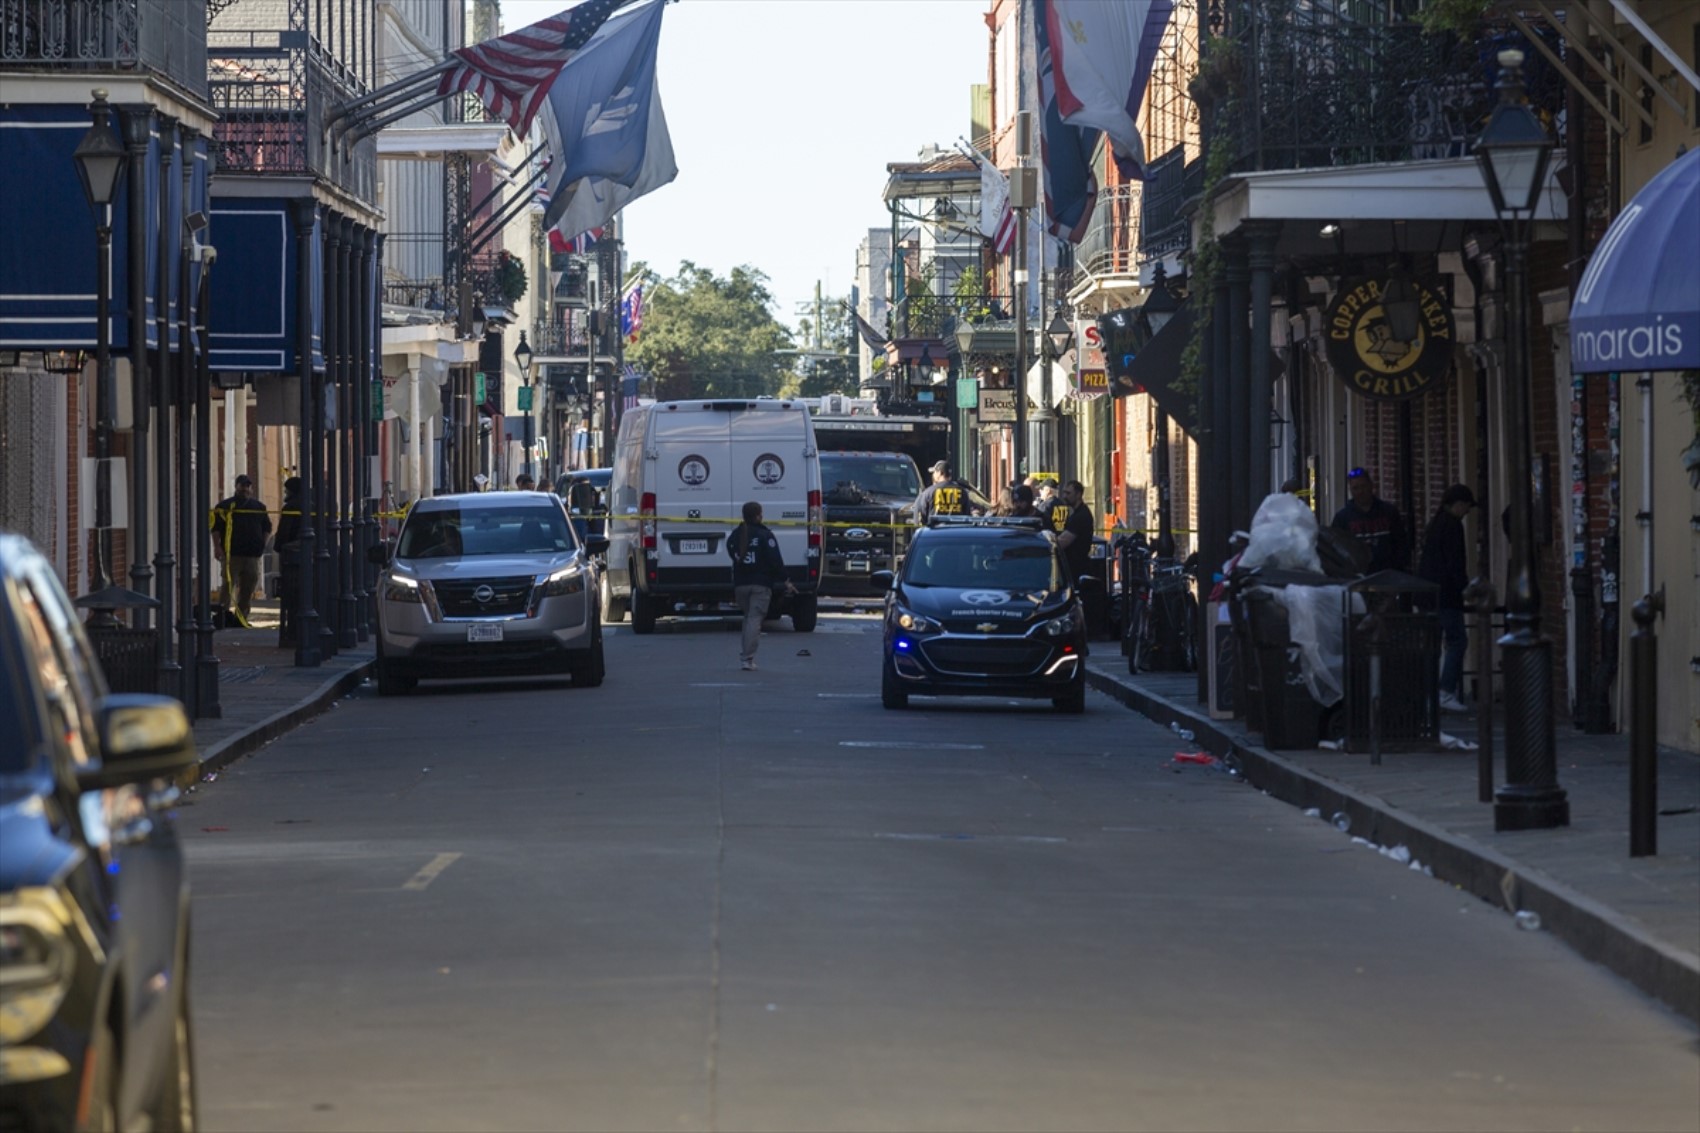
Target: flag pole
[(522, 197), (364, 127), (384, 96)]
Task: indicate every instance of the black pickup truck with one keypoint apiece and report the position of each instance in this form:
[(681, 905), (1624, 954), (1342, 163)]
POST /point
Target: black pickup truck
[(868, 499)]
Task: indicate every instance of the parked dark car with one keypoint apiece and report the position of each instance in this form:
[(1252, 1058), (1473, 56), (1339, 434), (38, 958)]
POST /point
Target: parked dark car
[(94, 900), (983, 607)]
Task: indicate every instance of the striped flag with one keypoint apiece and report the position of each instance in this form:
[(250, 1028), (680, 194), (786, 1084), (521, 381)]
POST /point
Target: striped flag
[(997, 219), (512, 73), (631, 314), (629, 388), (582, 244)]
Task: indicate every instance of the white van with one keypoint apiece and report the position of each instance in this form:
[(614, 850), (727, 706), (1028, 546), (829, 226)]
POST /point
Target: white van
[(682, 473)]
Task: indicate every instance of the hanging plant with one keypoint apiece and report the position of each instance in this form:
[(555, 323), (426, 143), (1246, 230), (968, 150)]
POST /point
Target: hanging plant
[(509, 279), (1460, 17)]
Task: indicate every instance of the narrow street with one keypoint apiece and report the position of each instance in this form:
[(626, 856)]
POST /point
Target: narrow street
[(697, 898)]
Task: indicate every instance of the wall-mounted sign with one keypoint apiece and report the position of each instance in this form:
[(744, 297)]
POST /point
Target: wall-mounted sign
[(997, 405), (1090, 376), (1374, 364), (1091, 383)]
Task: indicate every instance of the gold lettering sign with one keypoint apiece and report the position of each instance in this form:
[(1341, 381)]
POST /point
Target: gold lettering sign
[(1372, 362)]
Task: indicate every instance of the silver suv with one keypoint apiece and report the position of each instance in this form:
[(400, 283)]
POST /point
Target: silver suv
[(488, 584)]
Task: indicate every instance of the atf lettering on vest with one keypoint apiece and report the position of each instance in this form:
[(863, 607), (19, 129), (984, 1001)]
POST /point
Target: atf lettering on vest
[(947, 500), (1059, 516)]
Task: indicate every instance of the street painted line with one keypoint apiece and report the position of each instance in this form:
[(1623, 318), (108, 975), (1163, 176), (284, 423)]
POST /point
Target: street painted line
[(720, 684), (911, 745), (429, 874), (846, 695), (1041, 838)]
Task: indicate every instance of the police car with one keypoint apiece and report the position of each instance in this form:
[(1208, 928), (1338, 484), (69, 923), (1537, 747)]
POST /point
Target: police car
[(983, 606)]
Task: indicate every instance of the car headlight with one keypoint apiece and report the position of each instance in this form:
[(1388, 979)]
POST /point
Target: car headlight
[(1064, 625), (916, 623), (400, 588), (36, 962), (567, 580)]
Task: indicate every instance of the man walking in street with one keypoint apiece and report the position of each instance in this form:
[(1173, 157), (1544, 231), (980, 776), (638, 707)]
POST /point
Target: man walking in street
[(757, 571), (1445, 563), (946, 495), (240, 526), (1375, 523)]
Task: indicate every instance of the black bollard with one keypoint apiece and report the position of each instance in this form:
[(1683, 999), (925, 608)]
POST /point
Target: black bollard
[(1644, 728), (1479, 596)]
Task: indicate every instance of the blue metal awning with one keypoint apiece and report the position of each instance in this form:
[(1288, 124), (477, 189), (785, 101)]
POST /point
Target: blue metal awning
[(253, 303), (1638, 305)]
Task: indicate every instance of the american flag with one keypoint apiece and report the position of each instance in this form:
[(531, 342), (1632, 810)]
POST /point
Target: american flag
[(629, 388), (512, 73), (631, 314)]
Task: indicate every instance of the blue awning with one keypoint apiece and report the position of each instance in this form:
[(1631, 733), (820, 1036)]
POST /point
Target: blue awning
[(254, 289), (1638, 306)]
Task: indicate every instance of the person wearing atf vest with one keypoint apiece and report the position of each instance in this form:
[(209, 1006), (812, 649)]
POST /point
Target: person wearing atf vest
[(758, 570), (946, 495)]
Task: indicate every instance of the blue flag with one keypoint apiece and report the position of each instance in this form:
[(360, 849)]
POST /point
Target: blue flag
[(598, 111), (1065, 151)]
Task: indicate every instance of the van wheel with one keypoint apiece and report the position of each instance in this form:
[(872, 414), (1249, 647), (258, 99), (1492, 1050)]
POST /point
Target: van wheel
[(805, 612), (613, 609), (891, 693), (643, 612)]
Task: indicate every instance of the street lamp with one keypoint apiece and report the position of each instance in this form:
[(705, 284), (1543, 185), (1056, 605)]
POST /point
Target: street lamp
[(1513, 151), (1161, 305), (522, 356), (1060, 334), (101, 158)]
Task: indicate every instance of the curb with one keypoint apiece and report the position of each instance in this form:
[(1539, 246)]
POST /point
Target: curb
[(228, 750), (1587, 927)]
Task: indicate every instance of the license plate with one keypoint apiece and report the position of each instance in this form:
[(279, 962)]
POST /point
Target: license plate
[(693, 546), (484, 631), (854, 565)]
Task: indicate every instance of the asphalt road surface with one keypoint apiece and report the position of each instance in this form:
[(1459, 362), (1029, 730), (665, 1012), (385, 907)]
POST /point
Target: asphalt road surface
[(703, 899)]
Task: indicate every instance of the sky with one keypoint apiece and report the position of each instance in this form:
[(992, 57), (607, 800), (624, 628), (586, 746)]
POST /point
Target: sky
[(784, 114)]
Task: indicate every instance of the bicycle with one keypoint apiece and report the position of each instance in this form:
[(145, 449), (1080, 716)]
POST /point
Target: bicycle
[(1160, 612)]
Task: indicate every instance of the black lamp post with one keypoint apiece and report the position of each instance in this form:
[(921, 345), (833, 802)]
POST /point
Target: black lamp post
[(1161, 305), (1513, 152), (522, 357), (100, 161)]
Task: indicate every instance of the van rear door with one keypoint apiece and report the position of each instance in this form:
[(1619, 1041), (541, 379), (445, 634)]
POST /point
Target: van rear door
[(693, 481), (774, 463)]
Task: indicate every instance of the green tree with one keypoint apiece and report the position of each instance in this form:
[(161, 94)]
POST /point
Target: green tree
[(832, 368), (707, 336)]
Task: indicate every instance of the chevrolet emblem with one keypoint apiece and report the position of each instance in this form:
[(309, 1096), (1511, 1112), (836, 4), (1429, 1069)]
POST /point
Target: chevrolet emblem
[(987, 627)]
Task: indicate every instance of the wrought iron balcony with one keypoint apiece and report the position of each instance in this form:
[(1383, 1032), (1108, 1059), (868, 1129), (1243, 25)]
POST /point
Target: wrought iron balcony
[(1170, 182), (1300, 84), (167, 37), (936, 317), (1111, 243), (273, 90)]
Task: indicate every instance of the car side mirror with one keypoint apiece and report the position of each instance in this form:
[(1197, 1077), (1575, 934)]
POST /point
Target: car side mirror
[(596, 545), (378, 553), (141, 738), (882, 580)]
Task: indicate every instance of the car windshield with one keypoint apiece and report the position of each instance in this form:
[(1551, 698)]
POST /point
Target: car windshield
[(995, 564), (452, 533), (877, 476)]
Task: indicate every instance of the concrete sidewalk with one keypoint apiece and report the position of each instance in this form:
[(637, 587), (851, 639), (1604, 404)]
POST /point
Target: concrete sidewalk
[(1640, 917)]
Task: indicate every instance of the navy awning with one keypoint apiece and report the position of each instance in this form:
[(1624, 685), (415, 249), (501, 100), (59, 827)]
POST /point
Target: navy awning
[(1154, 366), (1638, 305), (253, 302)]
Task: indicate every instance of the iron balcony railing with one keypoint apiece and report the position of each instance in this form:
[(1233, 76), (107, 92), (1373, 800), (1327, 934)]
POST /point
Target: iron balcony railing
[(1111, 243), (1304, 84), (167, 37), (1165, 230), (927, 316), (273, 90)]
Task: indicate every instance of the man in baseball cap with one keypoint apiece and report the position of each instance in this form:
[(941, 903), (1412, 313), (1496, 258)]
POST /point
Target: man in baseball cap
[(946, 495)]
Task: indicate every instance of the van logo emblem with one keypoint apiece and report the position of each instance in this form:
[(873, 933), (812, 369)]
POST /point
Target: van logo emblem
[(693, 470), (769, 469), (985, 597), (483, 594), (694, 513), (858, 533)]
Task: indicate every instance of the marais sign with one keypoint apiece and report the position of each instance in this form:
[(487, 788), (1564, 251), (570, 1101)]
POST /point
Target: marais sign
[(1366, 356)]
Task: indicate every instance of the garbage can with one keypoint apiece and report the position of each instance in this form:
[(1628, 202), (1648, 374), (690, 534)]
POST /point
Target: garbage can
[(128, 656), (1391, 625), (1290, 717)]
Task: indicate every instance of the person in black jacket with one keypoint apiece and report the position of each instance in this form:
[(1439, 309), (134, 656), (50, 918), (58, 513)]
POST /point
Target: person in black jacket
[(240, 526), (1445, 563), (1375, 523), (288, 547), (946, 495), (757, 571)]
